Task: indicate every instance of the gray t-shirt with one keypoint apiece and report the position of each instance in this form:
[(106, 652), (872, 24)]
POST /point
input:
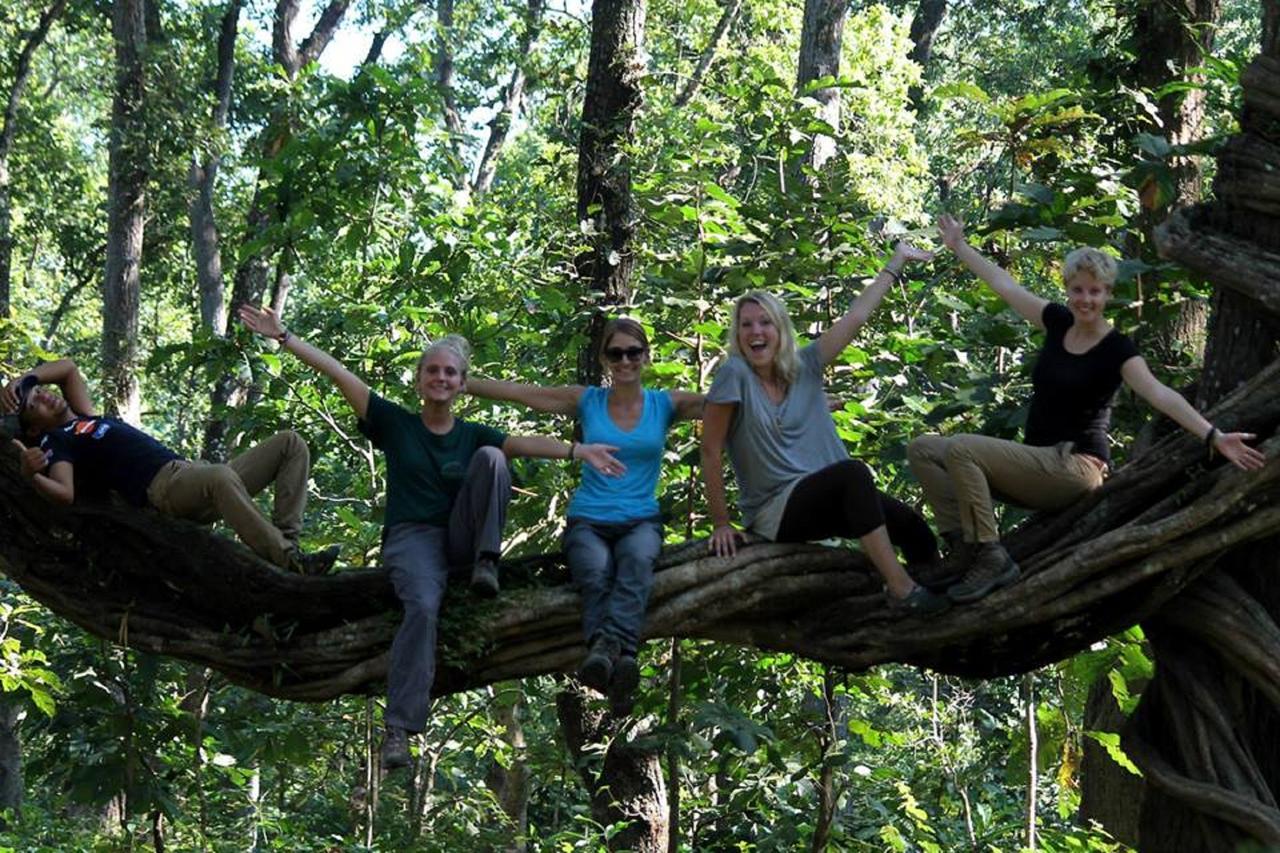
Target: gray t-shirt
[(772, 447)]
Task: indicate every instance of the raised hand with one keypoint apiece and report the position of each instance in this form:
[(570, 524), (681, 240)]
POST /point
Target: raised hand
[(600, 457), (9, 396), (33, 460), (261, 320), (1232, 446), (951, 231), (908, 254)]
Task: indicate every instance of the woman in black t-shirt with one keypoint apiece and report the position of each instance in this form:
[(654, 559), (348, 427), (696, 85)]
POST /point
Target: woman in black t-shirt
[(1064, 453)]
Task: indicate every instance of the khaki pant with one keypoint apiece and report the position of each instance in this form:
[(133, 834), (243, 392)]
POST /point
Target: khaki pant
[(203, 492), (961, 473)]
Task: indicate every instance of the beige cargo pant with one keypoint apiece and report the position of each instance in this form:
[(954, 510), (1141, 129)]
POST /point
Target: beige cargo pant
[(204, 492), (961, 473)]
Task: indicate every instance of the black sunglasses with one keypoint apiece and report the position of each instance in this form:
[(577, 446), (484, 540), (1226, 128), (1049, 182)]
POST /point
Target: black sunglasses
[(616, 354)]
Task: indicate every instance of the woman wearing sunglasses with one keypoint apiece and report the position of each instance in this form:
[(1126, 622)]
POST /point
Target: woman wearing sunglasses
[(796, 482), (614, 530)]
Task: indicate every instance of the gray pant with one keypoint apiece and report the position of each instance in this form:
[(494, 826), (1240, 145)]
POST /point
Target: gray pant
[(419, 557), (612, 566)]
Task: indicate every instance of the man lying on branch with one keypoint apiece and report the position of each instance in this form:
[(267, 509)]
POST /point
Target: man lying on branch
[(68, 450)]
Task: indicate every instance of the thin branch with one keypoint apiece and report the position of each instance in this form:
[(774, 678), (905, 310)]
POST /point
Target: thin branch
[(727, 18)]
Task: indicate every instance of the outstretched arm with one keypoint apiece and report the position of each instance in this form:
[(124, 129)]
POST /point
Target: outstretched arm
[(835, 339), (556, 400), (1028, 306), (716, 418), (265, 322), (62, 373), (688, 405), (598, 456), (1232, 445)]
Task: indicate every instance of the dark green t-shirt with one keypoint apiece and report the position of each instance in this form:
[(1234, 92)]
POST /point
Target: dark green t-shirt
[(424, 470)]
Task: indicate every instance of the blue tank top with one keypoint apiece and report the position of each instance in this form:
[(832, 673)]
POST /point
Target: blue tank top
[(633, 495)]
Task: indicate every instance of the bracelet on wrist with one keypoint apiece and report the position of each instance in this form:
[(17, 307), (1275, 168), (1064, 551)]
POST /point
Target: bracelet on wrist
[(573, 446), (1209, 437), (893, 274), (283, 337)]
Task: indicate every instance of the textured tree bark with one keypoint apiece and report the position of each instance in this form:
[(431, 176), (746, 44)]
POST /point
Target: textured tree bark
[(694, 83), (10, 755), (820, 41), (628, 786), (254, 272), (203, 173), (512, 94), (1109, 794), (8, 131), (1205, 734), (126, 208), (605, 205), (924, 26), (510, 785)]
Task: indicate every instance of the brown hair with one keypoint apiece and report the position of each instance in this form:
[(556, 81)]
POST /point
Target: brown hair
[(625, 326)]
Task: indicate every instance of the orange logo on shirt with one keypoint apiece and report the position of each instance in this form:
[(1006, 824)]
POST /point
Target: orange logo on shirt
[(85, 427)]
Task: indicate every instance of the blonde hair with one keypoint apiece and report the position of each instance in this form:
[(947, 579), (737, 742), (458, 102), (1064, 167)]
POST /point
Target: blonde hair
[(786, 362), (1085, 259), (456, 345)]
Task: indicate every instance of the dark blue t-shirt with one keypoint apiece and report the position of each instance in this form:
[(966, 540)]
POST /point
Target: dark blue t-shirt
[(108, 454), (1072, 397)]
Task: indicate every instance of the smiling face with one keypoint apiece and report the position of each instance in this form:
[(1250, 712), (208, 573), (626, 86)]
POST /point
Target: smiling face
[(758, 335), (44, 410), (632, 357), (1086, 296), (440, 376)]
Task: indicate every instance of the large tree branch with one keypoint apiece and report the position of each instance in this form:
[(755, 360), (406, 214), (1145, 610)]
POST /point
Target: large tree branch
[(163, 586), (730, 14)]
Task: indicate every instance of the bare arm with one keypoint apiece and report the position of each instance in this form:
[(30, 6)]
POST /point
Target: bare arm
[(598, 456), (688, 405), (1027, 305), (1164, 399), (556, 400), (62, 373), (55, 483), (265, 323), (839, 336), (716, 418)]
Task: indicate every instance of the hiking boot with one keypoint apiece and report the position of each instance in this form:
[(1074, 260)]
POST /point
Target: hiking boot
[(921, 601), (623, 684), (990, 569), (484, 577), (597, 666), (315, 563), (395, 748)]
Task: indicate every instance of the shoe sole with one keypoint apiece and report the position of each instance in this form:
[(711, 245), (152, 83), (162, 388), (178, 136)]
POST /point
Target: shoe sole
[(1000, 581), (622, 688), (484, 587), (595, 673)]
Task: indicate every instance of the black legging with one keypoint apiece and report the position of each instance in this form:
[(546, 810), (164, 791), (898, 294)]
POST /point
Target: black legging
[(842, 500)]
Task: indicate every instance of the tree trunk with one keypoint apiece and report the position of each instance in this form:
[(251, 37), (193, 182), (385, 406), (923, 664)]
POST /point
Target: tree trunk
[(510, 785), (1109, 794), (924, 25), (605, 204), (9, 130), (500, 125), (1207, 730), (126, 208), (820, 42), (1172, 37), (727, 17), (254, 272), (444, 80), (10, 755), (204, 170), (627, 787)]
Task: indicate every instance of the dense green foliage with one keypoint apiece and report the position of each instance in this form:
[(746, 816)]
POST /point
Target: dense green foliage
[(1028, 131)]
